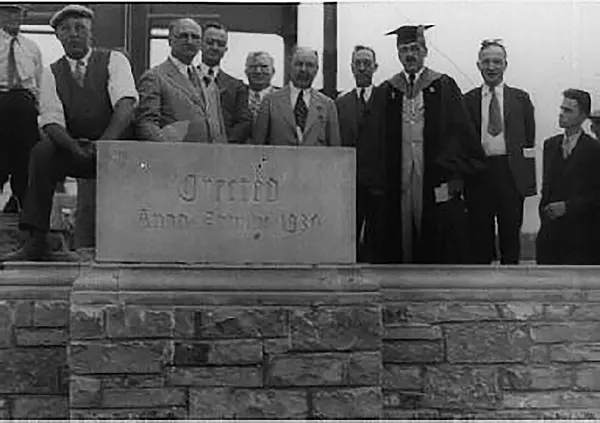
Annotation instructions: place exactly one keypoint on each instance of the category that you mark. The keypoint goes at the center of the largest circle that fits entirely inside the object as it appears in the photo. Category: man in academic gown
(428, 146)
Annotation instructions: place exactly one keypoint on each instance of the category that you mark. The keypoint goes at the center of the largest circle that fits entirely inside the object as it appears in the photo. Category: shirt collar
(204, 68)
(296, 91)
(367, 89)
(85, 59)
(179, 64)
(485, 89)
(572, 139)
(417, 75)
(262, 92)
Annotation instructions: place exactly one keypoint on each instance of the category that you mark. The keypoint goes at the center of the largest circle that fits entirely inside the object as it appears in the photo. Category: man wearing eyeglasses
(428, 147)
(229, 118)
(504, 119)
(172, 100)
(88, 95)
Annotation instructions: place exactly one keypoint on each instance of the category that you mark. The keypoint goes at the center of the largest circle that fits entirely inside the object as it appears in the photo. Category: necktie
(254, 103)
(411, 84)
(495, 119)
(566, 147)
(208, 78)
(14, 80)
(79, 74)
(193, 76)
(363, 100)
(300, 111)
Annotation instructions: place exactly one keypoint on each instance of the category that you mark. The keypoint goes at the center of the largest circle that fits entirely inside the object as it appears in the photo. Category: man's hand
(555, 210)
(83, 148)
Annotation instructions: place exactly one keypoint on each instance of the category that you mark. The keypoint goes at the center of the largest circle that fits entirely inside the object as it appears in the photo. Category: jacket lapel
(576, 154)
(286, 107)
(183, 83)
(509, 101)
(313, 111)
(222, 81)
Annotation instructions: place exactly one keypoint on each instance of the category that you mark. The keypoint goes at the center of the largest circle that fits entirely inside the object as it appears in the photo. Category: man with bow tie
(428, 147)
(298, 114)
(570, 202)
(20, 81)
(504, 119)
(172, 92)
(87, 96)
(352, 108)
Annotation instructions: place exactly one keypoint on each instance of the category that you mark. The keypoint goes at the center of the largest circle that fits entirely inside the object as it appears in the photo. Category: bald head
(184, 38)
(305, 65)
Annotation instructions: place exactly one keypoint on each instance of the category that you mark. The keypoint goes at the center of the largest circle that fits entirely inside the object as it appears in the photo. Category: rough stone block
(51, 313)
(395, 314)
(539, 354)
(41, 407)
(364, 368)
(6, 337)
(41, 337)
(184, 323)
(85, 392)
(588, 377)
(521, 311)
(241, 323)
(306, 370)
(575, 352)
(170, 413)
(215, 376)
(87, 322)
(559, 311)
(403, 399)
(429, 312)
(449, 386)
(23, 313)
(355, 403)
(487, 342)
(211, 403)
(403, 377)
(556, 399)
(191, 354)
(138, 322)
(585, 311)
(269, 404)
(32, 370)
(413, 331)
(566, 332)
(526, 378)
(277, 346)
(232, 352)
(410, 414)
(143, 398)
(133, 381)
(122, 357)
(337, 329)
(413, 352)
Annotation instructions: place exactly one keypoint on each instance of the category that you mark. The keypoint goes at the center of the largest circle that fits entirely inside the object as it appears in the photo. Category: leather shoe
(35, 248)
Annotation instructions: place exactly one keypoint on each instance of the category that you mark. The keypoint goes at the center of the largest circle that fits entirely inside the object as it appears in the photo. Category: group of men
(435, 169)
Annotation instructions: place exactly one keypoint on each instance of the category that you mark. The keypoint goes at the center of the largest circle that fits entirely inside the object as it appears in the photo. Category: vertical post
(139, 38)
(330, 49)
(289, 33)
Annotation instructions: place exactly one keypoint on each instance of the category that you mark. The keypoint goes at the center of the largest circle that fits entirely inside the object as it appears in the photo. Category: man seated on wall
(88, 95)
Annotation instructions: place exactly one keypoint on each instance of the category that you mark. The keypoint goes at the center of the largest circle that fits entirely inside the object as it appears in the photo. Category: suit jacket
(519, 133)
(276, 124)
(579, 182)
(350, 122)
(168, 96)
(234, 106)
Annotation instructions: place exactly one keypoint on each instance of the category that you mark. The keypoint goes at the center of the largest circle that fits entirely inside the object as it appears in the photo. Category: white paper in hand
(529, 153)
(176, 132)
(441, 193)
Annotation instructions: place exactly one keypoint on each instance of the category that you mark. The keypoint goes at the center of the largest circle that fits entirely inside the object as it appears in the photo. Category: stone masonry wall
(34, 321)
(211, 344)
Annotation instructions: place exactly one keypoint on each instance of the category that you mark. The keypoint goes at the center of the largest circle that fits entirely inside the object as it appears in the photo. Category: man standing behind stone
(260, 71)
(570, 200)
(352, 108)
(172, 91)
(298, 114)
(20, 80)
(229, 119)
(88, 95)
(504, 119)
(428, 148)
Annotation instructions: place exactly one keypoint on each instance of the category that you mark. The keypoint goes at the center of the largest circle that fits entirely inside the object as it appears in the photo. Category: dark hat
(71, 10)
(409, 33)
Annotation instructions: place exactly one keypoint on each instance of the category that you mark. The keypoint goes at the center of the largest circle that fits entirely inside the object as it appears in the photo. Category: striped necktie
(301, 111)
(254, 102)
(79, 74)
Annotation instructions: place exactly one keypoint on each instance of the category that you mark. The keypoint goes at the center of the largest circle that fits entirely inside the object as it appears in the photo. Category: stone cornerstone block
(198, 203)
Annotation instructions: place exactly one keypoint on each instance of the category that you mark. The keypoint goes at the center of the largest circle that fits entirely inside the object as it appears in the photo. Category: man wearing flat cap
(20, 80)
(88, 95)
(427, 148)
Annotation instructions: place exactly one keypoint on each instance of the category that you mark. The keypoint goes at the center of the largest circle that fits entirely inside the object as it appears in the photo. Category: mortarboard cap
(409, 33)
(71, 10)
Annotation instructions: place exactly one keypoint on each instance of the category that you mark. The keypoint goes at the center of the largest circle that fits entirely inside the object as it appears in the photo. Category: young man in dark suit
(504, 119)
(352, 108)
(232, 121)
(570, 189)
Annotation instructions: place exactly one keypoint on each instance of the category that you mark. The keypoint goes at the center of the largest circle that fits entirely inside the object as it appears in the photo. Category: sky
(552, 45)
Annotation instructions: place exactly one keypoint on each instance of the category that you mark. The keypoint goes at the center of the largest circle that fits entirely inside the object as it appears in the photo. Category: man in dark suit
(570, 189)
(226, 96)
(504, 119)
(352, 108)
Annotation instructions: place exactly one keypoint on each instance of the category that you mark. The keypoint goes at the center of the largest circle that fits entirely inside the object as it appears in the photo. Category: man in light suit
(570, 200)
(353, 108)
(227, 97)
(298, 114)
(503, 117)
(259, 71)
(172, 92)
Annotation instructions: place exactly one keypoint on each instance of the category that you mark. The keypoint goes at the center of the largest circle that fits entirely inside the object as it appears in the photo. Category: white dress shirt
(28, 59)
(570, 142)
(121, 84)
(262, 93)
(294, 92)
(493, 146)
(368, 91)
(204, 68)
(182, 67)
